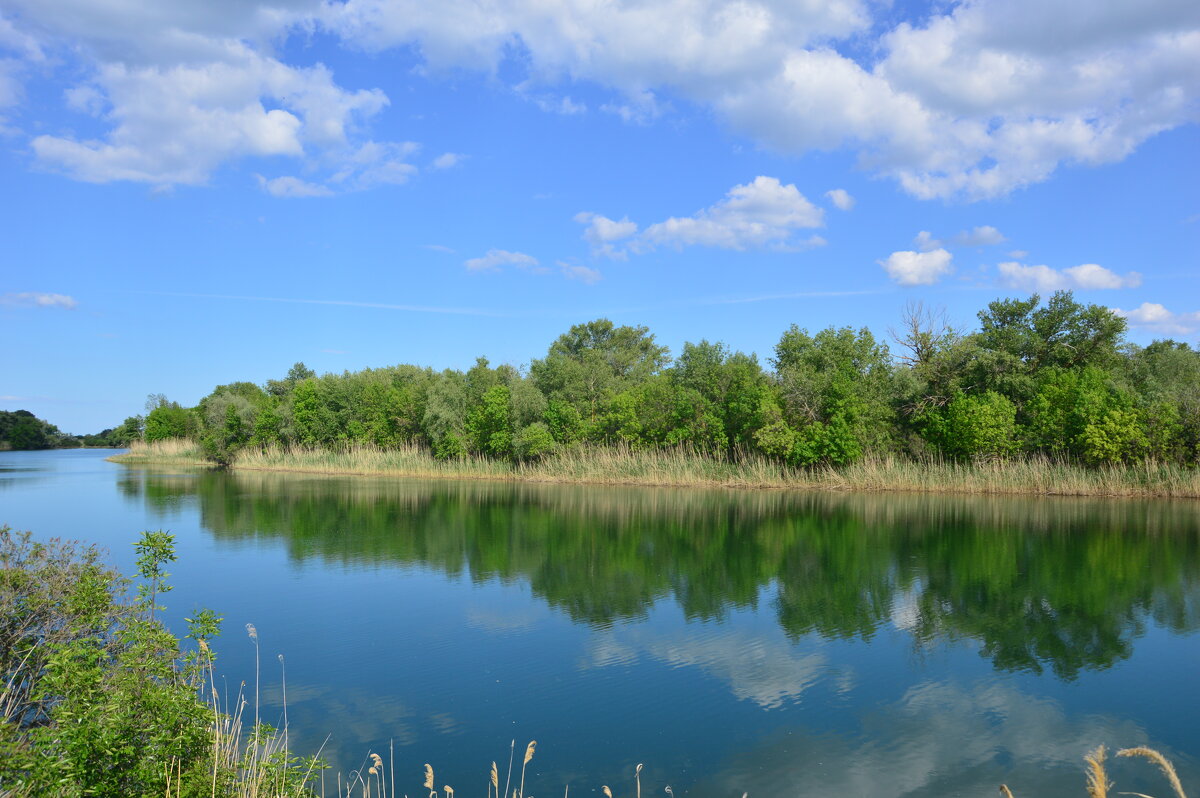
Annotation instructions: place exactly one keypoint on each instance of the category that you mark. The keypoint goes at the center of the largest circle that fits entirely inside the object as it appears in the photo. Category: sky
(202, 192)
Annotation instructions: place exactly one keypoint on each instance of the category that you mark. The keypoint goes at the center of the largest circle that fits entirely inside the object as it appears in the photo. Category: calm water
(771, 643)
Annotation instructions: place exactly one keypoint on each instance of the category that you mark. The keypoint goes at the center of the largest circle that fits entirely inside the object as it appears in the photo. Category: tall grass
(615, 465)
(170, 451)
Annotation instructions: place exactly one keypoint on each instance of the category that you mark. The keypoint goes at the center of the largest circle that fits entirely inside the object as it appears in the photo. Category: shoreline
(672, 468)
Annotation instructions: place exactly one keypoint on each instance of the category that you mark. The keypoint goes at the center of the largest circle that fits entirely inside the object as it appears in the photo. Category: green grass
(681, 468)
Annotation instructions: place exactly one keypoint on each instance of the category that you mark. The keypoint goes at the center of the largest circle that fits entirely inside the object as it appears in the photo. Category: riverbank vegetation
(98, 698)
(1042, 397)
(680, 467)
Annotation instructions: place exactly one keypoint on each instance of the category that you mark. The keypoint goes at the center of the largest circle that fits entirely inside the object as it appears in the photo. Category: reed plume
(1097, 778)
(528, 756)
(1154, 756)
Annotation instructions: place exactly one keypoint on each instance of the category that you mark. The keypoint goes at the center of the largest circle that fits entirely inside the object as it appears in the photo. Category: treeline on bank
(1055, 378)
(20, 429)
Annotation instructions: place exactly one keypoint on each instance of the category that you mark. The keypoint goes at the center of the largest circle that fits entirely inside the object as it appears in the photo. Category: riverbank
(676, 468)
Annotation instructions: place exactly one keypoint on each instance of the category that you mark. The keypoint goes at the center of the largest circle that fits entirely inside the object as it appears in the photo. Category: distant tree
(297, 373)
(169, 420)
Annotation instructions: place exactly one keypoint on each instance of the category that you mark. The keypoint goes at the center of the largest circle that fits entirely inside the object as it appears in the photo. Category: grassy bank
(679, 468)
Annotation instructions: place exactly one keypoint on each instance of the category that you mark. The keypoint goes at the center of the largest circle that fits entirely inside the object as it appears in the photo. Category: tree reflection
(1066, 585)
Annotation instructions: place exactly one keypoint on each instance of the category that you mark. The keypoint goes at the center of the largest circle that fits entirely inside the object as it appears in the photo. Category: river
(775, 643)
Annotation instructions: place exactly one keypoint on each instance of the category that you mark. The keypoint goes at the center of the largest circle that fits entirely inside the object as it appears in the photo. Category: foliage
(20, 429)
(99, 699)
(976, 425)
(1038, 379)
(169, 420)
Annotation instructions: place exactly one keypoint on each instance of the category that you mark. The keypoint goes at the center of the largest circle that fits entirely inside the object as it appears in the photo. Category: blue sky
(202, 192)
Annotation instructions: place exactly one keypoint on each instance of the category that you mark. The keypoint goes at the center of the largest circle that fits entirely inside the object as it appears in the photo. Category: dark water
(764, 642)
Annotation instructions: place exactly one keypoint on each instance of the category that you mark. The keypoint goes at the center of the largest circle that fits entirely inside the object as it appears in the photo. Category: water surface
(766, 642)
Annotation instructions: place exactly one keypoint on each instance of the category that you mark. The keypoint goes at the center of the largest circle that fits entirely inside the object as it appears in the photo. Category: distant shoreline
(673, 468)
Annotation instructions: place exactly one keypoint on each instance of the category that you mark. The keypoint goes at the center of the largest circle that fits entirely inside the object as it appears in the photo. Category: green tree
(592, 362)
(489, 424)
(1023, 337)
(169, 420)
(977, 425)
(836, 391)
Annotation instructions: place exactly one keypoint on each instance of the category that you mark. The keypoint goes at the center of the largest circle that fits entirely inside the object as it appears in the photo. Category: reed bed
(171, 451)
(683, 468)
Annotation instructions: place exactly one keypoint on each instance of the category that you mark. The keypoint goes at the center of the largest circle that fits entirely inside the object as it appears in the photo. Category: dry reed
(678, 467)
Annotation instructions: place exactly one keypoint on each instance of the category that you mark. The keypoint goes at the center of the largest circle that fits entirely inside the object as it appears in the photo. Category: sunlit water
(774, 643)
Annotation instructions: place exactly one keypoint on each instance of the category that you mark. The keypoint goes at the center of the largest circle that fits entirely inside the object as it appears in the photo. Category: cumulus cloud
(918, 268)
(764, 213)
(974, 101)
(184, 90)
(176, 123)
(1155, 317)
(38, 300)
(840, 198)
(1086, 276)
(602, 233)
(496, 258)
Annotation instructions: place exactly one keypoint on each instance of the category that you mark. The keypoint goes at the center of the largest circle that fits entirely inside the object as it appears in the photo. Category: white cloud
(573, 271)
(292, 187)
(918, 268)
(1155, 317)
(495, 258)
(1094, 276)
(760, 214)
(925, 241)
(175, 123)
(1087, 276)
(602, 232)
(39, 300)
(840, 198)
(975, 101)
(984, 236)
(448, 160)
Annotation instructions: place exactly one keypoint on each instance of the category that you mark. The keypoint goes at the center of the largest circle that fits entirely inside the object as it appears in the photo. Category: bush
(98, 698)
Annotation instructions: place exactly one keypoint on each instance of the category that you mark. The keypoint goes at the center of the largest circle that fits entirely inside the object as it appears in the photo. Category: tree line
(21, 429)
(1055, 378)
